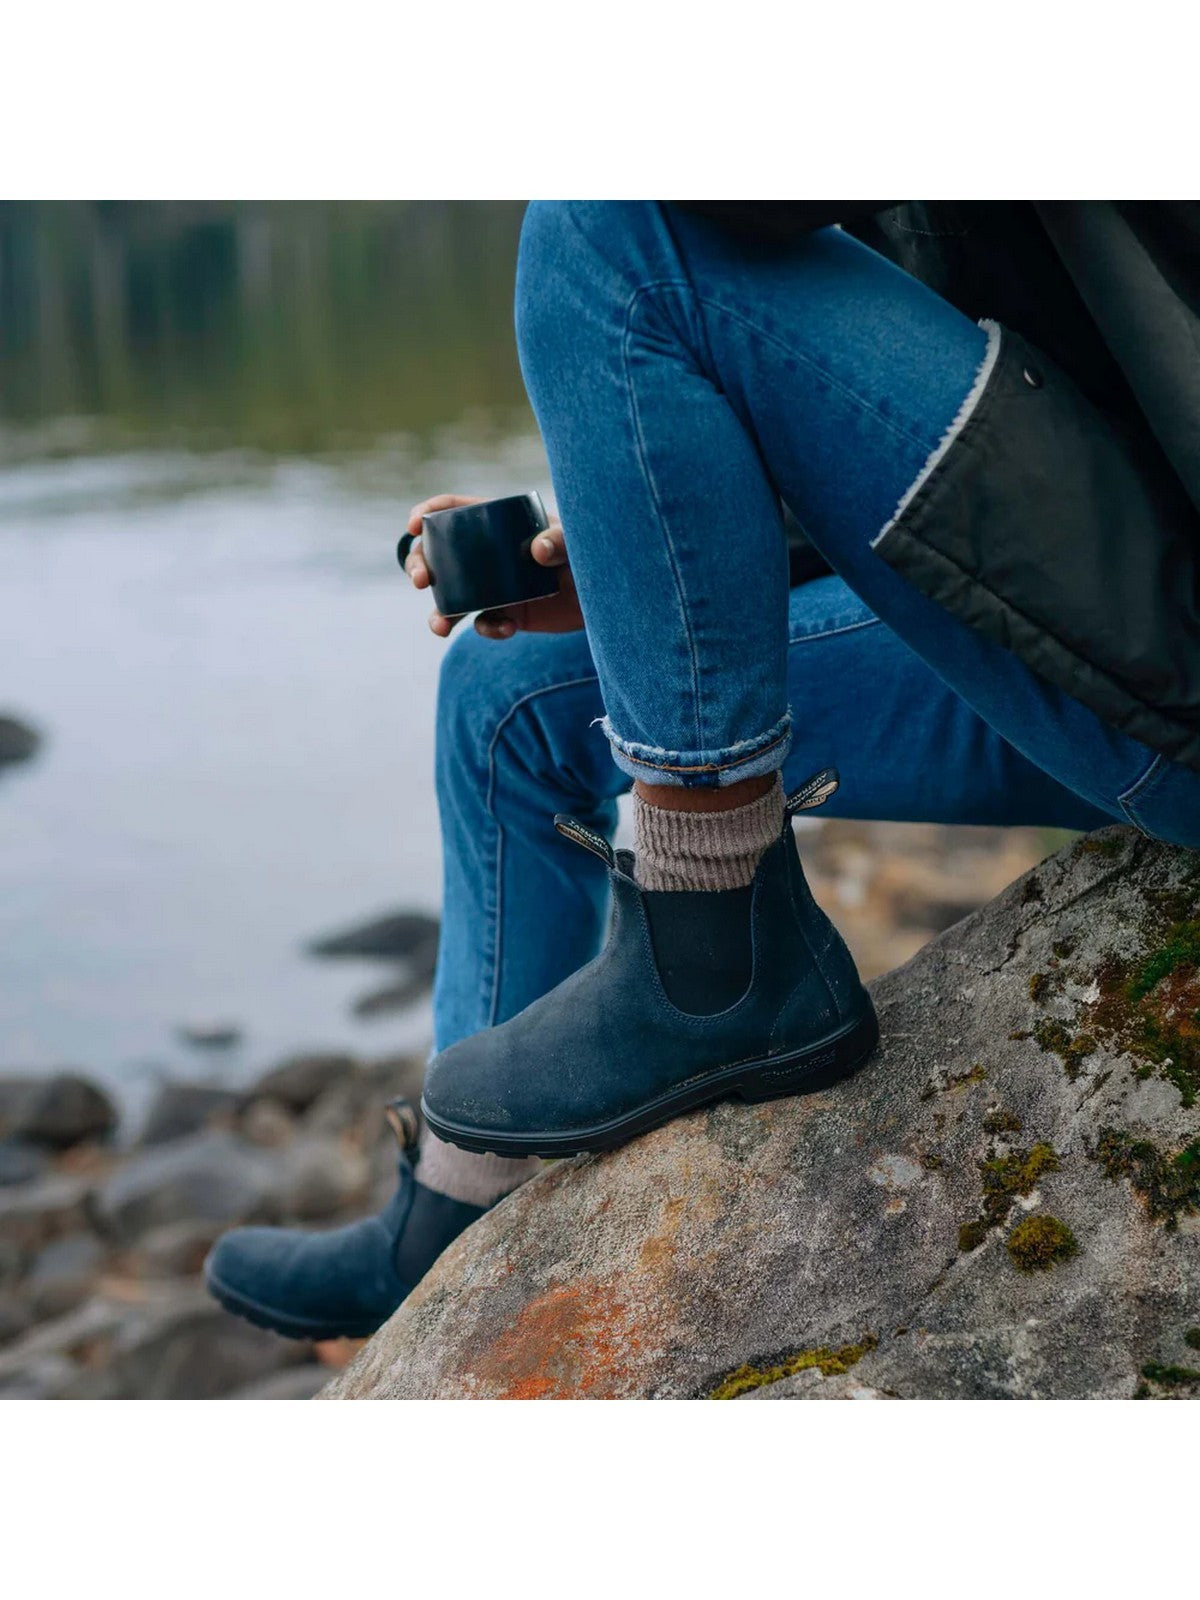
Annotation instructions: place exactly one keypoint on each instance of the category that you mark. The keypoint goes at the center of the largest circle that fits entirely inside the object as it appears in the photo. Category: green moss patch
(1168, 1183)
(1038, 1242)
(1150, 1007)
(1003, 1178)
(830, 1364)
(1192, 1338)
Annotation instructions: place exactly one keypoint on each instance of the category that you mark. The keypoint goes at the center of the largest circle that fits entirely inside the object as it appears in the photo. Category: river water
(203, 615)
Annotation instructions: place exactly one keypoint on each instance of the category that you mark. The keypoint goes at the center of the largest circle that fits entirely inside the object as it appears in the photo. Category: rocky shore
(101, 1243)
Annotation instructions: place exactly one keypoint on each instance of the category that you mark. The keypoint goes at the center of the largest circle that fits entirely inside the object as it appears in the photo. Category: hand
(559, 613)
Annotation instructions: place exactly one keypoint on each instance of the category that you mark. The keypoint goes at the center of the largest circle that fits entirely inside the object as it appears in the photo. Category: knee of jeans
(574, 257)
(496, 703)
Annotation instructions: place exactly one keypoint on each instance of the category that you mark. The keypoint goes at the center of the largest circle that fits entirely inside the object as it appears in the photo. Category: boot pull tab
(814, 793)
(405, 1122)
(571, 829)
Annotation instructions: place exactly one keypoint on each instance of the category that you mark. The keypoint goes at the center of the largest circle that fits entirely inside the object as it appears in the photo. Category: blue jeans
(683, 384)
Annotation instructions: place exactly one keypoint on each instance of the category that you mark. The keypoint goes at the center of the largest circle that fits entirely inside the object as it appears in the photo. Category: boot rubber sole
(280, 1322)
(817, 1066)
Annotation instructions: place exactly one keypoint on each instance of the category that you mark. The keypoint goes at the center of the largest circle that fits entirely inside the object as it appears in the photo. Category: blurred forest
(289, 327)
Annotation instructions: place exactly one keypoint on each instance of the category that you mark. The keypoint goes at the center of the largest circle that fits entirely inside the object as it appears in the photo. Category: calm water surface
(204, 617)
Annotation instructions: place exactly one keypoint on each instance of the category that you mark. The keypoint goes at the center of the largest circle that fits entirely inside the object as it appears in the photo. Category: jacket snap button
(1032, 377)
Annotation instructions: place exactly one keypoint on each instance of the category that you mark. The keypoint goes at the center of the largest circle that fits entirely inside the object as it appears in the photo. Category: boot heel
(815, 1068)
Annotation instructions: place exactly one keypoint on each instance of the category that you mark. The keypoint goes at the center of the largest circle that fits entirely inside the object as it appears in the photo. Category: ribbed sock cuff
(475, 1180)
(704, 849)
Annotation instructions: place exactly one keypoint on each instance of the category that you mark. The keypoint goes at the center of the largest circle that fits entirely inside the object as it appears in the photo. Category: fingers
(549, 548)
(495, 625)
(414, 565)
(437, 502)
(442, 626)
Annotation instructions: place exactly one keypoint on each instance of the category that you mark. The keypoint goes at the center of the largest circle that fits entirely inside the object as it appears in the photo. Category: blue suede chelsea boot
(345, 1283)
(654, 1027)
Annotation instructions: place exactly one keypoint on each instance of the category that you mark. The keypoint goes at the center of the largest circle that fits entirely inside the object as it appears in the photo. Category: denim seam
(643, 462)
(795, 354)
(792, 351)
(498, 918)
(832, 633)
(1129, 799)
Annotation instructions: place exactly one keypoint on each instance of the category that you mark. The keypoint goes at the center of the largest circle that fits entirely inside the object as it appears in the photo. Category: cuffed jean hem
(703, 769)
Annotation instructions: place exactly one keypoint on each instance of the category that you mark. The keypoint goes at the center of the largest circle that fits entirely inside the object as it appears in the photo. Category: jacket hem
(963, 415)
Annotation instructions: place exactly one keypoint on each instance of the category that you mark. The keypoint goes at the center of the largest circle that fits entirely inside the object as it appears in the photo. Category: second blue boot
(345, 1283)
(653, 1028)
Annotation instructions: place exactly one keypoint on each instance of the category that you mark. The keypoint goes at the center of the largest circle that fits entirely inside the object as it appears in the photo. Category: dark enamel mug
(481, 556)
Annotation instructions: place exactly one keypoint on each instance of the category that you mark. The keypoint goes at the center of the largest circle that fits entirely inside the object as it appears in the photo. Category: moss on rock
(1038, 1242)
(1004, 1177)
(1169, 1184)
(830, 1364)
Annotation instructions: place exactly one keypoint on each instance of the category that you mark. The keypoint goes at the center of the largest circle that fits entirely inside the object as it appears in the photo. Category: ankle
(705, 848)
(474, 1180)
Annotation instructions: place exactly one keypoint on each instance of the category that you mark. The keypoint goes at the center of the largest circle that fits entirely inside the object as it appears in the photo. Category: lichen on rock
(666, 1269)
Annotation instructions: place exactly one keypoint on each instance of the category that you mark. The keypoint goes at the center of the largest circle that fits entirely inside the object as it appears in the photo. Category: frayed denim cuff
(703, 769)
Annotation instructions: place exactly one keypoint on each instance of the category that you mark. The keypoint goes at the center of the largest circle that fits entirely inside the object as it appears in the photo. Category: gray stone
(814, 1247)
(175, 1249)
(58, 1111)
(16, 1316)
(183, 1108)
(169, 1342)
(321, 1177)
(21, 1162)
(298, 1081)
(47, 1377)
(204, 1355)
(36, 1212)
(18, 741)
(208, 1177)
(64, 1274)
(268, 1123)
(293, 1383)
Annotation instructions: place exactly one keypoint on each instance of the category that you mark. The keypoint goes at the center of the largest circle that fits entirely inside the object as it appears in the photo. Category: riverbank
(101, 1244)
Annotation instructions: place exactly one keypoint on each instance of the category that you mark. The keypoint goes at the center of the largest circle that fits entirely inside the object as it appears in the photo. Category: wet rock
(402, 935)
(171, 1342)
(47, 1377)
(18, 741)
(293, 1383)
(320, 1178)
(54, 1356)
(268, 1123)
(64, 1274)
(16, 1316)
(203, 1355)
(396, 1075)
(174, 1249)
(37, 1212)
(298, 1081)
(207, 1177)
(179, 1109)
(209, 1035)
(12, 1262)
(57, 1111)
(854, 1243)
(20, 1162)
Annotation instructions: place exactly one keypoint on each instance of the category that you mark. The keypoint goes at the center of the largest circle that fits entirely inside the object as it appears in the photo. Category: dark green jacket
(1064, 520)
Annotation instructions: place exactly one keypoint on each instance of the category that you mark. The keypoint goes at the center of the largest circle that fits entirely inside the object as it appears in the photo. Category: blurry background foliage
(288, 327)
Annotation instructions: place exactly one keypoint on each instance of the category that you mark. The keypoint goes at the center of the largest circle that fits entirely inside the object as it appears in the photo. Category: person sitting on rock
(1006, 631)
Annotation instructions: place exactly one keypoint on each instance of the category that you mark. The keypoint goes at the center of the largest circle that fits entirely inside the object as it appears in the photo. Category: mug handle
(407, 541)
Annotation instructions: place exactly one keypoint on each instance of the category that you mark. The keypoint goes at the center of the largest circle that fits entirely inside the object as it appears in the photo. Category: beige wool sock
(475, 1180)
(704, 849)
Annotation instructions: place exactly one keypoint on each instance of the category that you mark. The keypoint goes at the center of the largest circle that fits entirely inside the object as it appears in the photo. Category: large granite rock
(58, 1111)
(1004, 1203)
